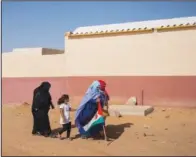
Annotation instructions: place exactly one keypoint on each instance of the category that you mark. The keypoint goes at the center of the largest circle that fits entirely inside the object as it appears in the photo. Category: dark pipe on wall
(142, 102)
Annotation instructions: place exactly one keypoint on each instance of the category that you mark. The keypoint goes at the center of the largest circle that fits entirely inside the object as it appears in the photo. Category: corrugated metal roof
(136, 25)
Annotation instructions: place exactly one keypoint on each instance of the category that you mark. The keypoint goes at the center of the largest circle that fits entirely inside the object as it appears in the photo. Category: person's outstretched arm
(51, 104)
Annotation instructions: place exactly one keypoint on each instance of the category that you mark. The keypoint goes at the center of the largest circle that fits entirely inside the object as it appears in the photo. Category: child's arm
(70, 107)
(51, 104)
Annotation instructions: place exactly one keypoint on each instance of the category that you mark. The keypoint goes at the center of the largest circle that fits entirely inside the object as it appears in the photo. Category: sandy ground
(164, 132)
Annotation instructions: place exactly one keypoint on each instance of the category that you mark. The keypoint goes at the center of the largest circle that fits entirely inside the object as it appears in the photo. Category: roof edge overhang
(133, 31)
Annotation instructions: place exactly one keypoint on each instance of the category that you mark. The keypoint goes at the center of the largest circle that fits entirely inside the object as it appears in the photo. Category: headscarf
(44, 87)
(102, 87)
(41, 96)
(94, 87)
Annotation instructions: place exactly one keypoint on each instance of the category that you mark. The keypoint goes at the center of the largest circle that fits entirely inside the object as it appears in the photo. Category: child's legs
(64, 128)
(68, 129)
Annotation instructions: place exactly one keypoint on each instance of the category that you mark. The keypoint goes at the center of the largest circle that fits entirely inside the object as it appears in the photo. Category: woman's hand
(98, 100)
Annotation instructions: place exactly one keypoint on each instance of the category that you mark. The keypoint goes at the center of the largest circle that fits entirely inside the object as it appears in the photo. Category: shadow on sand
(113, 132)
(55, 131)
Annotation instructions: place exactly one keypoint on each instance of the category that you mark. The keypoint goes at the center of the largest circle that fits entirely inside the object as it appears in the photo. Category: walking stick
(101, 110)
(104, 130)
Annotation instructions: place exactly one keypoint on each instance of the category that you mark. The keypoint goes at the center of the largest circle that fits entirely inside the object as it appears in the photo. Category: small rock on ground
(168, 116)
(146, 126)
(145, 134)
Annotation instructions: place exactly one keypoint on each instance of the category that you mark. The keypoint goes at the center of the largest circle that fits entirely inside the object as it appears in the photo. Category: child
(65, 107)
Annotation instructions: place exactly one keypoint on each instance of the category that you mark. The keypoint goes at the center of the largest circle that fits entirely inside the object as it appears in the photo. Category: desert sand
(164, 132)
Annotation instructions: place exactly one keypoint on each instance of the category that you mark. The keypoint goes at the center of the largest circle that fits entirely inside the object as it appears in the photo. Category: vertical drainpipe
(142, 92)
(142, 102)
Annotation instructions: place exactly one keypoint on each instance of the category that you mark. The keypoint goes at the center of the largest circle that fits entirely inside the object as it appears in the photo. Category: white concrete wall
(155, 54)
(28, 51)
(31, 63)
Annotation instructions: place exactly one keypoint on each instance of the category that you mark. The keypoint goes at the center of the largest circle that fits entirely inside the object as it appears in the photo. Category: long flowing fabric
(85, 119)
(40, 107)
(92, 93)
(96, 123)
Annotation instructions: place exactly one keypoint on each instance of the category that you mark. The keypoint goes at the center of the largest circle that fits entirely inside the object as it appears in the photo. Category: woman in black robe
(40, 108)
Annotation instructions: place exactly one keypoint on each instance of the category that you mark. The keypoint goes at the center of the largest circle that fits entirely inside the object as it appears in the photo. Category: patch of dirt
(171, 132)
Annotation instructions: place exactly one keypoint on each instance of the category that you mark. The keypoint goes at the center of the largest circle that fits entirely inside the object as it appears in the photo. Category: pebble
(148, 134)
(19, 114)
(168, 116)
(175, 144)
(117, 114)
(154, 140)
(26, 104)
(146, 126)
(136, 133)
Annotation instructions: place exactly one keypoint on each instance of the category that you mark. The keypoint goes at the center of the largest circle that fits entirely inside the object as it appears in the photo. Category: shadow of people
(54, 132)
(115, 131)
